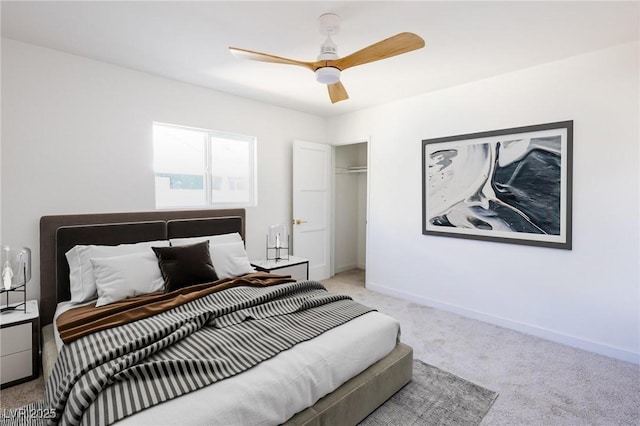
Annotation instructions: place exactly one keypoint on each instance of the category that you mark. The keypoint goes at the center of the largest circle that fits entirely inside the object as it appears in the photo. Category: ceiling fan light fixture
(329, 66)
(327, 75)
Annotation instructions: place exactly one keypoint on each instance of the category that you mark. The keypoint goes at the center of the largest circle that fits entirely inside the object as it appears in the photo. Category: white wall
(348, 210)
(362, 206)
(587, 297)
(77, 138)
(1, 139)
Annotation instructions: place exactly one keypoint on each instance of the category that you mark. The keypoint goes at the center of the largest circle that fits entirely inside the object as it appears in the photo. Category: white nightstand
(19, 345)
(297, 267)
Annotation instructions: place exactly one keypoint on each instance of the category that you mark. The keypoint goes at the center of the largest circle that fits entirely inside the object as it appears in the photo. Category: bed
(348, 399)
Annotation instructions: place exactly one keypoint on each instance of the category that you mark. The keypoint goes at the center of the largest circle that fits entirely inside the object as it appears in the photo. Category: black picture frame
(510, 185)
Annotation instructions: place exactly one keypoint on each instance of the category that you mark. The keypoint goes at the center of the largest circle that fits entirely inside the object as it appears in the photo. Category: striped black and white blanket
(108, 375)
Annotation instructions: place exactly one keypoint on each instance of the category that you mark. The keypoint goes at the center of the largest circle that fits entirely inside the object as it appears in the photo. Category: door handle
(299, 221)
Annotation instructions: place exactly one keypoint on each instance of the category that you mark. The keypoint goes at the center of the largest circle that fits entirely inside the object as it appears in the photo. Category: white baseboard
(554, 336)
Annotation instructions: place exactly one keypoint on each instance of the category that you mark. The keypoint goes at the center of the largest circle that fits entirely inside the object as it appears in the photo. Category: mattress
(273, 391)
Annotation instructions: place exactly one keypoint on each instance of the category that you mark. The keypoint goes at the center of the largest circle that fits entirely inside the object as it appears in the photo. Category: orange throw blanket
(83, 320)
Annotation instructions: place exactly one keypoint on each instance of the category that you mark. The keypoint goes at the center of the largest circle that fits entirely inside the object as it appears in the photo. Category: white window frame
(210, 134)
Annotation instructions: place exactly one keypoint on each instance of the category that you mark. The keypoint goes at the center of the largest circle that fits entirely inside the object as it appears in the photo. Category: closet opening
(350, 210)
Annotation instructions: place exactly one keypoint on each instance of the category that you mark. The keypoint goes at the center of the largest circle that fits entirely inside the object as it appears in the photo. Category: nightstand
(20, 345)
(297, 267)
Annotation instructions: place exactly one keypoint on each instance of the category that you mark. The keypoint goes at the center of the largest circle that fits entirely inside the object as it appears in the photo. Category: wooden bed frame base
(360, 396)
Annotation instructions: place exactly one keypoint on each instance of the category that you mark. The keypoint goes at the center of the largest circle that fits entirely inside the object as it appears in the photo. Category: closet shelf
(357, 169)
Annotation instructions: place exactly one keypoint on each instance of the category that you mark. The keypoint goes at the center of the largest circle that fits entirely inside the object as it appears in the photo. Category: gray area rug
(34, 414)
(434, 397)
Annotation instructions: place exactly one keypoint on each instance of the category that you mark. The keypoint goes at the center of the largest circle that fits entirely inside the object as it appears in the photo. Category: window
(196, 167)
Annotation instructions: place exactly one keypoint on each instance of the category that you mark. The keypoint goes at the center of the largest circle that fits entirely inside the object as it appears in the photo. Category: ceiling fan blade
(265, 57)
(392, 46)
(337, 92)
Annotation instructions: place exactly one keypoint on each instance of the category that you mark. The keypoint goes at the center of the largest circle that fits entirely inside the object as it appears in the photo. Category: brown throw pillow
(182, 266)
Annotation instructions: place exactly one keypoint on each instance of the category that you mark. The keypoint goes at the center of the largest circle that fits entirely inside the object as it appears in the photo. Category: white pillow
(213, 239)
(230, 259)
(129, 275)
(82, 282)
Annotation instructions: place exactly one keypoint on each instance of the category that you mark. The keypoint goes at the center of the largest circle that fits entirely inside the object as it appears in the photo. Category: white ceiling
(188, 41)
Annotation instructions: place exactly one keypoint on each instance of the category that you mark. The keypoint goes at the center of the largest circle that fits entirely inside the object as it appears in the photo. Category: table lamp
(278, 240)
(16, 272)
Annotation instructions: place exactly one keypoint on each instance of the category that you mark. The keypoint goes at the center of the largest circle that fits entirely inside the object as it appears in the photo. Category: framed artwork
(509, 185)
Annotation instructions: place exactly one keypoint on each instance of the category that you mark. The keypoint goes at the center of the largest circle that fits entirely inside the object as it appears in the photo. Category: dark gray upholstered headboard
(60, 233)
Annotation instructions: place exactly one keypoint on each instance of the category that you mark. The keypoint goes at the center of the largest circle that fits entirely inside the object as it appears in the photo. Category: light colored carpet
(539, 382)
(20, 395)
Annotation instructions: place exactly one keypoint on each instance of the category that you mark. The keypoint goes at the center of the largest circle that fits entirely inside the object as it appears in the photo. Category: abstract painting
(510, 185)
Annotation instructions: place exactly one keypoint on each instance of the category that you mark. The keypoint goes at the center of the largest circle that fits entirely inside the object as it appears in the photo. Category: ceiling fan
(329, 66)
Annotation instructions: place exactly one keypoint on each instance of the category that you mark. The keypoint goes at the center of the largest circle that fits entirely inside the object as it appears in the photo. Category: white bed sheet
(276, 389)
